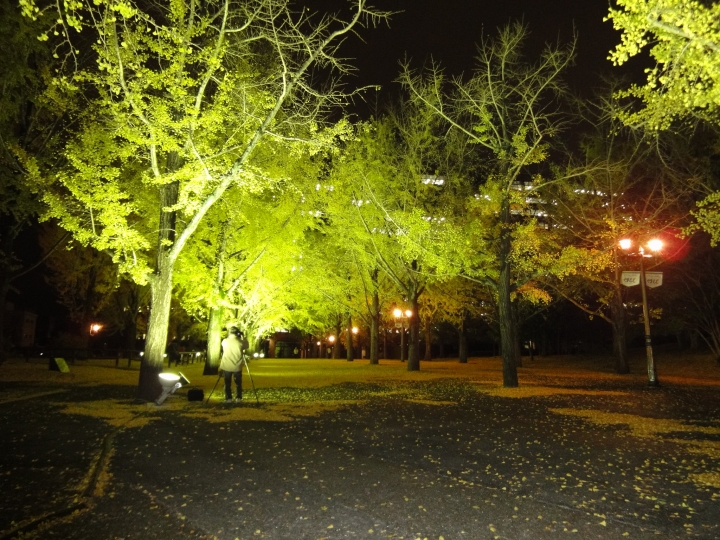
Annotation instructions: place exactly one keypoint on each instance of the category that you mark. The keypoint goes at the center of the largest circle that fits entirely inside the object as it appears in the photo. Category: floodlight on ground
(170, 382)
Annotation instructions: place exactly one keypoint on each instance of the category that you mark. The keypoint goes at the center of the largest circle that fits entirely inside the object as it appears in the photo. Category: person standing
(233, 348)
(173, 352)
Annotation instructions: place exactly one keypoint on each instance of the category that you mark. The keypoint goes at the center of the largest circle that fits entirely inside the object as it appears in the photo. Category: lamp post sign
(652, 279)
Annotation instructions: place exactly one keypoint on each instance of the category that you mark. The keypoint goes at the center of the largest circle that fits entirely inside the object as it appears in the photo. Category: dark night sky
(448, 31)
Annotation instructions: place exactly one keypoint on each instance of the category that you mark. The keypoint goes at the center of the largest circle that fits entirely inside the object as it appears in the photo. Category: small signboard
(632, 278)
(653, 279)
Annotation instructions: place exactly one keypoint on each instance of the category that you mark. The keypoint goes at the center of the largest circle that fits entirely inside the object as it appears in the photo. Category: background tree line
(197, 159)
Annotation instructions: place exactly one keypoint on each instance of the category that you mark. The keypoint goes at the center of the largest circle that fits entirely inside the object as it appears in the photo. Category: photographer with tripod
(231, 363)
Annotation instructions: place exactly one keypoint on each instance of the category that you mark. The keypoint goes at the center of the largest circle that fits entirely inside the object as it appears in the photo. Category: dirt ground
(339, 449)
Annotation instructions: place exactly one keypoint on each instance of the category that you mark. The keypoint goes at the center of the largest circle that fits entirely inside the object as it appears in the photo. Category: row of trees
(191, 145)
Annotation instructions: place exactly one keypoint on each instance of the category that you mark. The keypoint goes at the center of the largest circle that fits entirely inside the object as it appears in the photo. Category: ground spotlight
(170, 382)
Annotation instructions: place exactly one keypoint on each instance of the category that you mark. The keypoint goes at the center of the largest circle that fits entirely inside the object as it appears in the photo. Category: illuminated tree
(625, 187)
(508, 110)
(179, 104)
(397, 216)
(683, 37)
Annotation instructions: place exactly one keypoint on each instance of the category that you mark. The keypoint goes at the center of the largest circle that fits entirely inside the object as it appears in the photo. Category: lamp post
(653, 245)
(400, 322)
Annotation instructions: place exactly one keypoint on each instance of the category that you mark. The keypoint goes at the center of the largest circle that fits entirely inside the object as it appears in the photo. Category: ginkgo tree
(177, 103)
(508, 110)
(396, 214)
(239, 266)
(626, 188)
(683, 37)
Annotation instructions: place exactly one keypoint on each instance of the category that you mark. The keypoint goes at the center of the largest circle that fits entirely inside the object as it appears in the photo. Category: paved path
(457, 463)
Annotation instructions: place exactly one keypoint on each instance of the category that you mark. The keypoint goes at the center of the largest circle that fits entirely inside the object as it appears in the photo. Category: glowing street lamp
(95, 328)
(400, 318)
(654, 245)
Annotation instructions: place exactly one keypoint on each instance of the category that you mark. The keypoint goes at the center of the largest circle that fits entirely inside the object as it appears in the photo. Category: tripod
(247, 368)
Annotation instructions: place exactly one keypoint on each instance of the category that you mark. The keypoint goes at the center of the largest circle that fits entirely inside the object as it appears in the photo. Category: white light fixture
(170, 382)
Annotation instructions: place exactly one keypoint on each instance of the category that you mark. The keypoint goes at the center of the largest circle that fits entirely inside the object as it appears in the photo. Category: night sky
(449, 30)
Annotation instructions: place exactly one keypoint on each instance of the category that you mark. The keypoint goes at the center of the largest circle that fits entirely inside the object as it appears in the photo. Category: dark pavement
(456, 463)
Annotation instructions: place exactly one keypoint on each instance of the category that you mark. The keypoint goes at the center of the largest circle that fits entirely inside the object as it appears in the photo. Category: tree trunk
(508, 328)
(518, 344)
(414, 338)
(336, 345)
(349, 340)
(215, 320)
(428, 340)
(385, 346)
(374, 329)
(462, 342)
(130, 323)
(161, 285)
(4, 343)
(214, 339)
(617, 311)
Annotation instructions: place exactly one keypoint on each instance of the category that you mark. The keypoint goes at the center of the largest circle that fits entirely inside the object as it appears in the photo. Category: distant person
(173, 352)
(233, 348)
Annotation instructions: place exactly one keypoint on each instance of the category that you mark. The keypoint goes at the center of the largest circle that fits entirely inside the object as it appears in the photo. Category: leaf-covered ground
(348, 450)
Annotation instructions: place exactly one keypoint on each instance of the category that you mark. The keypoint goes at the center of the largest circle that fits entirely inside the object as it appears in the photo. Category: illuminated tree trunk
(375, 326)
(463, 342)
(349, 340)
(338, 333)
(508, 326)
(428, 340)
(161, 285)
(414, 340)
(215, 319)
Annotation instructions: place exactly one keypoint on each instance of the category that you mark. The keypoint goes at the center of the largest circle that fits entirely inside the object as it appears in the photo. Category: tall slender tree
(509, 110)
